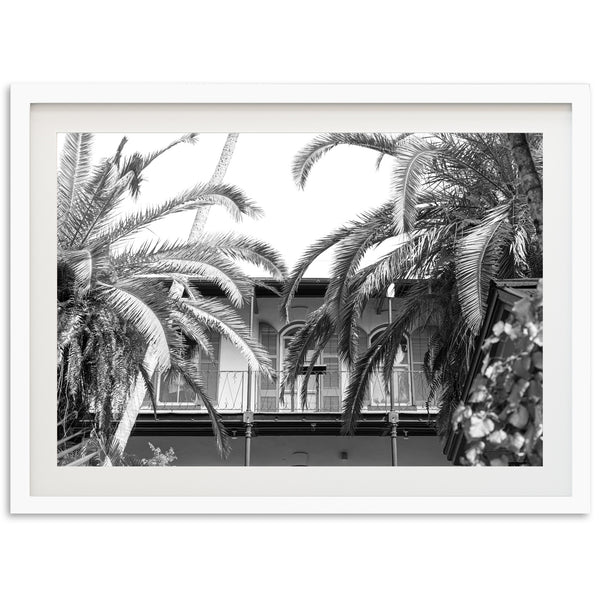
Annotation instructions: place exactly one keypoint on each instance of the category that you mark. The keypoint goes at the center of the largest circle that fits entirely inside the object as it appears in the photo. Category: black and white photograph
(359, 299)
(247, 237)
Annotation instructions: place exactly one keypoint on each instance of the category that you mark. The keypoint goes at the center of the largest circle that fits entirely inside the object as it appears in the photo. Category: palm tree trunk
(217, 177)
(530, 181)
(136, 399)
(132, 406)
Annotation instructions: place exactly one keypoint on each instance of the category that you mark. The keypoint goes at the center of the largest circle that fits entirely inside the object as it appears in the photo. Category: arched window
(291, 400)
(329, 396)
(408, 385)
(399, 384)
(363, 341)
(323, 385)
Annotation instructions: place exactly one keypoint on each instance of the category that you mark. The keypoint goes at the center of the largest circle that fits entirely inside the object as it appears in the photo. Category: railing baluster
(236, 390)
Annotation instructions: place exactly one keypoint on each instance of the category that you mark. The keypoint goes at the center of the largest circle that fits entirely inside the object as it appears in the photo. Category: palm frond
(73, 170)
(310, 154)
(308, 257)
(143, 318)
(136, 162)
(369, 230)
(118, 227)
(246, 248)
(412, 164)
(79, 264)
(188, 371)
(319, 326)
(477, 262)
(313, 336)
(104, 204)
(445, 164)
(98, 192)
(416, 310)
(235, 285)
(217, 316)
(374, 222)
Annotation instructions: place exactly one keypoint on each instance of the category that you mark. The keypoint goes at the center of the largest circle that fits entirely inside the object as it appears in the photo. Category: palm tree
(117, 320)
(459, 215)
(136, 399)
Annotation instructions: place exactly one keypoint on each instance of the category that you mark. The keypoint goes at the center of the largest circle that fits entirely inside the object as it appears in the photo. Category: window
(379, 397)
(409, 386)
(209, 367)
(291, 400)
(329, 382)
(419, 341)
(323, 389)
(174, 391)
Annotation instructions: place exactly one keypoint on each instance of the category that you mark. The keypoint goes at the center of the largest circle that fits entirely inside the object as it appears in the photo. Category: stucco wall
(232, 365)
(279, 450)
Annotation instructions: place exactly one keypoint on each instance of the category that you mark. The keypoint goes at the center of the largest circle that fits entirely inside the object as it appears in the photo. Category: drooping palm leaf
(309, 256)
(79, 263)
(477, 262)
(136, 163)
(188, 371)
(96, 194)
(117, 227)
(143, 318)
(310, 154)
(235, 285)
(217, 316)
(313, 336)
(73, 170)
(411, 166)
(368, 222)
(444, 188)
(369, 230)
(244, 247)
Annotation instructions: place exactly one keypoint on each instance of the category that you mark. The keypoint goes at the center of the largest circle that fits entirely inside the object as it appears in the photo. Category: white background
(298, 557)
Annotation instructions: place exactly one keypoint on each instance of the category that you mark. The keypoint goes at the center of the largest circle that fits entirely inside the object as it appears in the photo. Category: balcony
(229, 389)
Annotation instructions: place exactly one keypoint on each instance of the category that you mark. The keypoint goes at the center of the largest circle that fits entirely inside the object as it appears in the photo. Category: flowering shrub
(158, 458)
(99, 452)
(502, 419)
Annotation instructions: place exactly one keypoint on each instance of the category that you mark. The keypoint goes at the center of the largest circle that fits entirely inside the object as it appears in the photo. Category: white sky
(341, 185)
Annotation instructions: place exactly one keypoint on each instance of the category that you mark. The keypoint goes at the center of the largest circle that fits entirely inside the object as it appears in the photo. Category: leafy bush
(103, 453)
(502, 419)
(159, 459)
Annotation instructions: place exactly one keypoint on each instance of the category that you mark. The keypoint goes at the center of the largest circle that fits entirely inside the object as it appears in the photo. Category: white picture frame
(109, 102)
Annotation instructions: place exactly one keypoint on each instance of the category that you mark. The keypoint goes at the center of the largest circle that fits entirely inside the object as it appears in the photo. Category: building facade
(270, 429)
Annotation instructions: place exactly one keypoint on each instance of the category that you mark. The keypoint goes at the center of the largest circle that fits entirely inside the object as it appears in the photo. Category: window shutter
(419, 344)
(209, 367)
(267, 392)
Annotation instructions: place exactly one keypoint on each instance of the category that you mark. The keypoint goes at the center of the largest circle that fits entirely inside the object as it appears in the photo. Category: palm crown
(118, 318)
(458, 216)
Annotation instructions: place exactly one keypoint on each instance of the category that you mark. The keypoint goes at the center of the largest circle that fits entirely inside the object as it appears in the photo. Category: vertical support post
(394, 438)
(248, 414)
(249, 420)
(411, 373)
(391, 381)
(250, 374)
(393, 418)
(248, 445)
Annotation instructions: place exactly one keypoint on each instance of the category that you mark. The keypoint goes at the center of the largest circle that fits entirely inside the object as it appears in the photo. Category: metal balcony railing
(229, 391)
